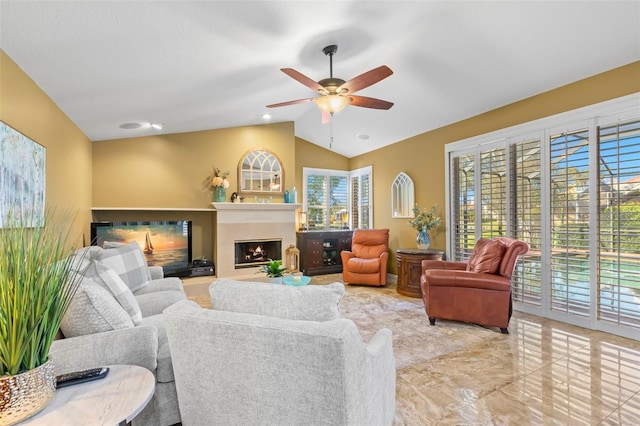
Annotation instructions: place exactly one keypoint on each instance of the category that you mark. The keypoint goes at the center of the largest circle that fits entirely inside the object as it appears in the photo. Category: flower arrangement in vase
(423, 221)
(217, 182)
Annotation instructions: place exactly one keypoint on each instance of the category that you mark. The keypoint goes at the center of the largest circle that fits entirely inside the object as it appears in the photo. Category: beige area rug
(373, 308)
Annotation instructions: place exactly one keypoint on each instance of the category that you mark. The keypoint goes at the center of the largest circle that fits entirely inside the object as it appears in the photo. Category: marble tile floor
(543, 373)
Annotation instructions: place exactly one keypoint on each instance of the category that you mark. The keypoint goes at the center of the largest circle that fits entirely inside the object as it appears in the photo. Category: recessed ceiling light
(156, 126)
(362, 136)
(130, 126)
(266, 116)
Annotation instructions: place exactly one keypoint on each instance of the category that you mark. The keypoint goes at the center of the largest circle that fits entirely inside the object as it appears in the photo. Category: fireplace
(250, 253)
(243, 222)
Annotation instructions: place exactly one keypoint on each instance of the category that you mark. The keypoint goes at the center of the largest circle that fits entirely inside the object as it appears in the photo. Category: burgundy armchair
(366, 263)
(477, 291)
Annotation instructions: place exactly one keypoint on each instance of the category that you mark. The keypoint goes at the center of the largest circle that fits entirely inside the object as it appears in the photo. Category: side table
(114, 400)
(410, 269)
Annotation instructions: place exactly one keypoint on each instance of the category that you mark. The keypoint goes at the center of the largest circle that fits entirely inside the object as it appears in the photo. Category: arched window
(402, 196)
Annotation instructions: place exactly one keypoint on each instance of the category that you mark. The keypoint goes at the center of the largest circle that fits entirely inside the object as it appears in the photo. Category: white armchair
(241, 368)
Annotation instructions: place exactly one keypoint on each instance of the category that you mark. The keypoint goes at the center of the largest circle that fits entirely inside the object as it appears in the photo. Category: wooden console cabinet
(410, 269)
(320, 251)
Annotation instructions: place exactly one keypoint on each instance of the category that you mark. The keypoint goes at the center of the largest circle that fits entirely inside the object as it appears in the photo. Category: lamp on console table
(302, 220)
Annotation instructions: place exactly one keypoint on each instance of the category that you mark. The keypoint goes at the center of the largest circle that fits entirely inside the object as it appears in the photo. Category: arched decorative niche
(402, 196)
(260, 172)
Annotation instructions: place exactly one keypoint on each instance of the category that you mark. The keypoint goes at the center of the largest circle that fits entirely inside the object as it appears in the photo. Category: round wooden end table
(410, 269)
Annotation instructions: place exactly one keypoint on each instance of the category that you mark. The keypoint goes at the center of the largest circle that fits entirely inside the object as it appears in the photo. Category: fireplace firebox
(251, 253)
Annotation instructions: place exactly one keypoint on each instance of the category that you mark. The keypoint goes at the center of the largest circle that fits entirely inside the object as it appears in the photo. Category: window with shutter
(572, 192)
(493, 193)
(569, 222)
(619, 224)
(331, 196)
(526, 218)
(463, 206)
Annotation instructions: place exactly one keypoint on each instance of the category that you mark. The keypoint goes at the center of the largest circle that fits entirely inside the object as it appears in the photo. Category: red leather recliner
(366, 263)
(477, 291)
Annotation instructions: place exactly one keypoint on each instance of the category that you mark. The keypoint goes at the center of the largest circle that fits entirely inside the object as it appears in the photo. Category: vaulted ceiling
(197, 65)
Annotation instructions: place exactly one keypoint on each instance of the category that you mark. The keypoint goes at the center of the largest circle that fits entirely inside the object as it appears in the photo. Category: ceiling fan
(337, 93)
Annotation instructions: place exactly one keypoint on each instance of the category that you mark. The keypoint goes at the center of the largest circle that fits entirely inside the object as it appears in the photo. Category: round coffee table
(114, 400)
(410, 269)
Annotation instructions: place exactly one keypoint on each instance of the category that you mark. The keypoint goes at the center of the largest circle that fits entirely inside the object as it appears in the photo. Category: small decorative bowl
(297, 280)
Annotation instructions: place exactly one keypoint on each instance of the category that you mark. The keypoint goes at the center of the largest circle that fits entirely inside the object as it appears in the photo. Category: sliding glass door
(574, 196)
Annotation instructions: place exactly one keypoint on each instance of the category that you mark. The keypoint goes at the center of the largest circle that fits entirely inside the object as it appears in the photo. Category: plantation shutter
(338, 201)
(316, 200)
(526, 219)
(569, 225)
(619, 224)
(493, 193)
(361, 208)
(462, 206)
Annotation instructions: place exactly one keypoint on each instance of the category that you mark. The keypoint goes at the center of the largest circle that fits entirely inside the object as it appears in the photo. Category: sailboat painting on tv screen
(164, 243)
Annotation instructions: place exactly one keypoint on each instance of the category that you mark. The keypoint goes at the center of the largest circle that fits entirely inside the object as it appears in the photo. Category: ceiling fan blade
(365, 102)
(301, 78)
(365, 80)
(297, 101)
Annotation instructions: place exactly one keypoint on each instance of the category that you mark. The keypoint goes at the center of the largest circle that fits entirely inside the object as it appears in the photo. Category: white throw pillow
(110, 280)
(129, 263)
(309, 303)
(93, 310)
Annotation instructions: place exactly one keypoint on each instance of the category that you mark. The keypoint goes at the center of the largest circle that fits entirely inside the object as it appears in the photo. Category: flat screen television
(164, 243)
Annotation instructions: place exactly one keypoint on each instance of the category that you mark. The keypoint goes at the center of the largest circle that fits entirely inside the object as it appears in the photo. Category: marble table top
(116, 399)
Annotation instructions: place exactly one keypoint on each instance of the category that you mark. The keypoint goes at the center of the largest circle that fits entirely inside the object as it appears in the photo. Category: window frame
(361, 173)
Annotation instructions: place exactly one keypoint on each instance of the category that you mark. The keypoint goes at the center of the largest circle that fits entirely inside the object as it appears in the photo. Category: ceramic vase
(25, 394)
(422, 239)
(219, 194)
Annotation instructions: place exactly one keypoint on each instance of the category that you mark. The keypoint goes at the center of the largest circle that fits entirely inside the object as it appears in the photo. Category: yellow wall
(26, 108)
(422, 157)
(167, 170)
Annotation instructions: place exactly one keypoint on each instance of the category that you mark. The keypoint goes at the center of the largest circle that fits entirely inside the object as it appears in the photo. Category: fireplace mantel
(255, 206)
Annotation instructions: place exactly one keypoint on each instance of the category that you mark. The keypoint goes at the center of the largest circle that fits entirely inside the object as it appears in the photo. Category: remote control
(81, 376)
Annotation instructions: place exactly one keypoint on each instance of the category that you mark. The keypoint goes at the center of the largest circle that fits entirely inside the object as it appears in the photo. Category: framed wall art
(22, 177)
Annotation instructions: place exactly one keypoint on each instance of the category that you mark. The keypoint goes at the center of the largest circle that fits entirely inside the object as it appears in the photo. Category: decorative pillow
(93, 310)
(111, 281)
(129, 263)
(310, 303)
(486, 256)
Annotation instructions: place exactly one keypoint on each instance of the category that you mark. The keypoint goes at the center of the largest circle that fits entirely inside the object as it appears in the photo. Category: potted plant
(37, 283)
(422, 222)
(274, 270)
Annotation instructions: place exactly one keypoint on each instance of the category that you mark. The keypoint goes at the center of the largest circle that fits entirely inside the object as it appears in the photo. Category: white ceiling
(197, 65)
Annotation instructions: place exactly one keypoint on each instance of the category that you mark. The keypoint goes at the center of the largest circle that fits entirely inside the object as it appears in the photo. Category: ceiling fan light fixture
(332, 103)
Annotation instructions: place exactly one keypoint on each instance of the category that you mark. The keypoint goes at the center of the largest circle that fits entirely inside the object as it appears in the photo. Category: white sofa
(103, 331)
(268, 354)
